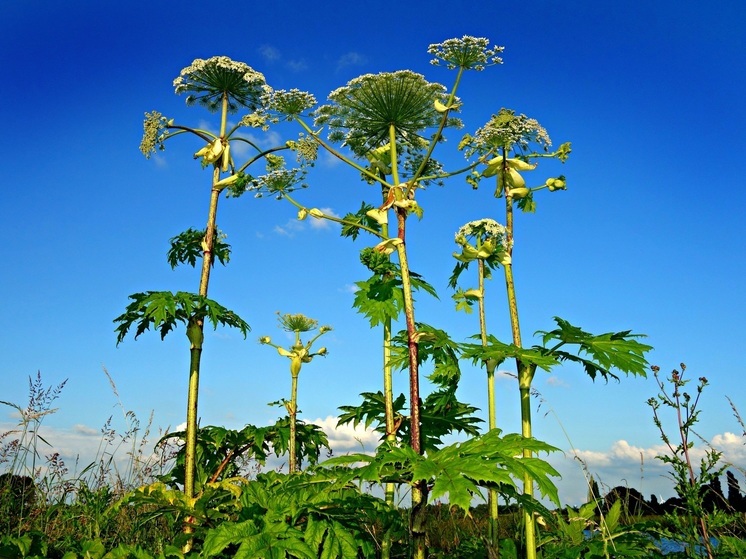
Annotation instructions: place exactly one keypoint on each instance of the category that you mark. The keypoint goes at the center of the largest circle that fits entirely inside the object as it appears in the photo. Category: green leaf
(352, 221)
(163, 310)
(613, 350)
(379, 299)
(499, 351)
(186, 248)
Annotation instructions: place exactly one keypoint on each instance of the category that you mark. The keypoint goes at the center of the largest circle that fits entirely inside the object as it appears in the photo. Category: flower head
(288, 103)
(296, 322)
(508, 130)
(207, 81)
(154, 128)
(467, 53)
(361, 113)
(483, 239)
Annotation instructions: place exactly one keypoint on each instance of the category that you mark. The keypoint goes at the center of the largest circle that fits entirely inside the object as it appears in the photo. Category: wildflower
(296, 322)
(288, 103)
(154, 128)
(208, 81)
(277, 182)
(469, 53)
(306, 149)
(362, 113)
(483, 239)
(507, 130)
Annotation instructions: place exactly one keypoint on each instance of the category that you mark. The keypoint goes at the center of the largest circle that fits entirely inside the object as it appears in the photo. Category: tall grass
(39, 494)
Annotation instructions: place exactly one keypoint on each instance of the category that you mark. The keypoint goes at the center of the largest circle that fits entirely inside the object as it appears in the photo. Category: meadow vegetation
(206, 491)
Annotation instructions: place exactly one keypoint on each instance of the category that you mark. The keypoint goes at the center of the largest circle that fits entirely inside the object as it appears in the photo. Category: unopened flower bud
(265, 340)
(302, 214)
(315, 212)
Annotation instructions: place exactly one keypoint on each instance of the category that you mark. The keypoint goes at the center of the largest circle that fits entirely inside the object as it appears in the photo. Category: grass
(55, 511)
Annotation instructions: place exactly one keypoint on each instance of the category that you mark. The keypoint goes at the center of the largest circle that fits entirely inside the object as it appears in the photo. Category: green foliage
(371, 411)
(220, 453)
(499, 351)
(163, 309)
(352, 222)
(695, 524)
(458, 470)
(187, 246)
(303, 516)
(433, 345)
(381, 296)
(579, 535)
(310, 440)
(613, 350)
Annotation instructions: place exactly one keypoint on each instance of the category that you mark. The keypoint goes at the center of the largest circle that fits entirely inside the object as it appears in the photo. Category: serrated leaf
(612, 350)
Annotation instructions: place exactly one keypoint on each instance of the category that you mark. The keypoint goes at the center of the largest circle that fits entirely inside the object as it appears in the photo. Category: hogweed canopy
(289, 104)
(361, 113)
(506, 130)
(206, 81)
(469, 53)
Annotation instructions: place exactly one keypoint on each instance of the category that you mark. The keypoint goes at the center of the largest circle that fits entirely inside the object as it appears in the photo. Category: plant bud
(517, 193)
(315, 212)
(381, 216)
(302, 214)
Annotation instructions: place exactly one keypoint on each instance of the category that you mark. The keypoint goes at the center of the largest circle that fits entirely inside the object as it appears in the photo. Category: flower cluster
(257, 119)
(508, 130)
(296, 322)
(288, 103)
(154, 128)
(208, 81)
(277, 182)
(361, 113)
(306, 149)
(469, 53)
(482, 230)
(483, 239)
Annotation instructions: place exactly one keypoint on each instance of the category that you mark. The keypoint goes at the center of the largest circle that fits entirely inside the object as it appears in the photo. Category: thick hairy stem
(191, 427)
(491, 412)
(292, 412)
(418, 513)
(525, 372)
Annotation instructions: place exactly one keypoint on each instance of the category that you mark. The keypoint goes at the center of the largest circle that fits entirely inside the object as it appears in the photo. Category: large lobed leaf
(163, 310)
(612, 350)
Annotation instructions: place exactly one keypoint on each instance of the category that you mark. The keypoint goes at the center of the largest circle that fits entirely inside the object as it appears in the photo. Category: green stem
(525, 372)
(490, 365)
(388, 399)
(436, 137)
(292, 412)
(190, 450)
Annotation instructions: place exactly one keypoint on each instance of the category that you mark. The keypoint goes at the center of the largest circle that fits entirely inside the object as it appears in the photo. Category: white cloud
(297, 65)
(346, 438)
(554, 380)
(351, 58)
(269, 53)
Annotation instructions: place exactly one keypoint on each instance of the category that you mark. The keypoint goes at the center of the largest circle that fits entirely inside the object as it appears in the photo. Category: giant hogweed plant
(299, 354)
(506, 147)
(388, 126)
(484, 242)
(222, 86)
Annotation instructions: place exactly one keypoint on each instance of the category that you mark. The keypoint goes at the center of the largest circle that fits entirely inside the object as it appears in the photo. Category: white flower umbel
(469, 53)
(206, 81)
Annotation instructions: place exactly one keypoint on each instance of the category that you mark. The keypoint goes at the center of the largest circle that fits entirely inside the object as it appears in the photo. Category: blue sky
(649, 235)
